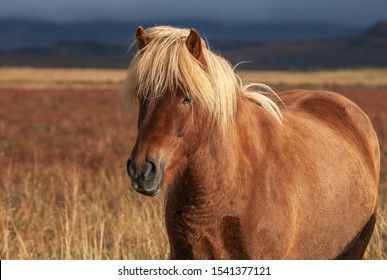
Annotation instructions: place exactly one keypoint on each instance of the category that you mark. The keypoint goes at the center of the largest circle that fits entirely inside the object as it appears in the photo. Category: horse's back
(340, 115)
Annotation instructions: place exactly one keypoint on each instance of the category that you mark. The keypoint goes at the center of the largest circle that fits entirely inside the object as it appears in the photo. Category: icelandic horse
(248, 174)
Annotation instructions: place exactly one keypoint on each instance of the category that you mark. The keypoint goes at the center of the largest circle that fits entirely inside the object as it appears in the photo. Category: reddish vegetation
(86, 125)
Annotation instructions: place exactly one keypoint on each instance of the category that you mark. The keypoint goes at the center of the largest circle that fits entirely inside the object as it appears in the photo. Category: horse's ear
(142, 39)
(194, 44)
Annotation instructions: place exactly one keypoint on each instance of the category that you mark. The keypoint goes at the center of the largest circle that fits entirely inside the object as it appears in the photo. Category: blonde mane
(166, 64)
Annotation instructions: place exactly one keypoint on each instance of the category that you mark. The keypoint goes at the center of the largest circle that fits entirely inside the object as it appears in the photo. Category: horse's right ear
(142, 39)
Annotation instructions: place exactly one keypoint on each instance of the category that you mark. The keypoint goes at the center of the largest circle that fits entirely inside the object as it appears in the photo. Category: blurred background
(65, 137)
(272, 34)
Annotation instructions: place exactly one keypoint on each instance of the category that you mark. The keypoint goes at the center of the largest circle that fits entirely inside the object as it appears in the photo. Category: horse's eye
(186, 101)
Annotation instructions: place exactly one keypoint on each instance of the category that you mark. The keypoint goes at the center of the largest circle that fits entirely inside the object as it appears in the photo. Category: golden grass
(40, 78)
(64, 189)
(322, 78)
(65, 212)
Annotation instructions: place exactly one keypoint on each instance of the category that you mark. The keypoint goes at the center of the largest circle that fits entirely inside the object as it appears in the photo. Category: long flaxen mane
(165, 64)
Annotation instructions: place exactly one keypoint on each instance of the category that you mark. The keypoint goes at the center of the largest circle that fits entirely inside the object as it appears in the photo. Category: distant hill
(22, 33)
(368, 48)
(68, 54)
(377, 30)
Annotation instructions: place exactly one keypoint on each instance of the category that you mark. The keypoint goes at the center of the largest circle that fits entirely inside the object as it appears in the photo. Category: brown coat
(248, 181)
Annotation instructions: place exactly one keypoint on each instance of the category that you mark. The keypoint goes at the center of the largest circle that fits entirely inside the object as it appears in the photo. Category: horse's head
(184, 91)
(167, 132)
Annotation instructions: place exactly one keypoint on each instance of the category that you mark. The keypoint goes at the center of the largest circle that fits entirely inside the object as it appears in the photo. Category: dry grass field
(64, 142)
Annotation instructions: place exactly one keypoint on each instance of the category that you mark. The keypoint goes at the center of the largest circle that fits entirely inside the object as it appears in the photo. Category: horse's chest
(218, 240)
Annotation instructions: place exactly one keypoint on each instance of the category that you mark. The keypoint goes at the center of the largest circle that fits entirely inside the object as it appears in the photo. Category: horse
(248, 173)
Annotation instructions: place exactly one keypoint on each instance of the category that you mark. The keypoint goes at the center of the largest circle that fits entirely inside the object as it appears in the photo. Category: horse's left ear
(142, 39)
(194, 44)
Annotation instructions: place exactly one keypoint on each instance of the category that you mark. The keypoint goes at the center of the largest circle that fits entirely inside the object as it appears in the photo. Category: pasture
(64, 142)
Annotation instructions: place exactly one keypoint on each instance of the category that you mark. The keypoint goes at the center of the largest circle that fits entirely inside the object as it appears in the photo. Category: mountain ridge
(366, 49)
(22, 33)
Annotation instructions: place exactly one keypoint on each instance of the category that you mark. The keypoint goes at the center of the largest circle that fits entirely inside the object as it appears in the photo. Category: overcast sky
(353, 12)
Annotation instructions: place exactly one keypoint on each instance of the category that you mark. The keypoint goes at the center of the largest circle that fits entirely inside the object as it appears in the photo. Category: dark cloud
(354, 12)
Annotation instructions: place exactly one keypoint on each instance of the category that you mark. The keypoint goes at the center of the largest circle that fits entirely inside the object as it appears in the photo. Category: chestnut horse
(247, 175)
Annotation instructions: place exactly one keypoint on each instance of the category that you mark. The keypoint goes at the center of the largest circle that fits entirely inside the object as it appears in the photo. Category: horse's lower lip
(152, 192)
(147, 191)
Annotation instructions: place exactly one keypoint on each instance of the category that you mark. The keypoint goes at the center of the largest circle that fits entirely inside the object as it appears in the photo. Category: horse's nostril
(130, 168)
(151, 168)
(141, 171)
(152, 161)
(148, 170)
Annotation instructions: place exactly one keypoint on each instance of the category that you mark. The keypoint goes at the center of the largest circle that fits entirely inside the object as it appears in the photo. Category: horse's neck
(213, 176)
(203, 186)
(202, 190)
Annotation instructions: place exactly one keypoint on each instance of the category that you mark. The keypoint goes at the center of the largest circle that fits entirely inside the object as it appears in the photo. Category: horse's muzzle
(146, 178)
